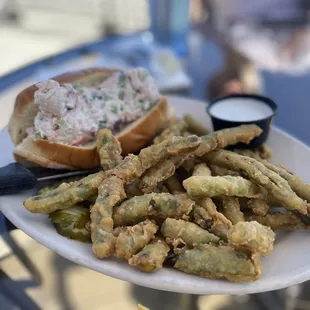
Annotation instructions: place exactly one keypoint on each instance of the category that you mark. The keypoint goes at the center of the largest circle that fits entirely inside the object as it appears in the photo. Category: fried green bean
(201, 217)
(159, 173)
(220, 262)
(220, 224)
(134, 238)
(225, 137)
(277, 221)
(260, 153)
(222, 171)
(176, 127)
(190, 233)
(133, 189)
(194, 126)
(217, 186)
(66, 195)
(189, 163)
(251, 236)
(258, 206)
(231, 209)
(137, 209)
(174, 185)
(260, 174)
(301, 188)
(222, 138)
(201, 170)
(205, 214)
(56, 184)
(109, 149)
(111, 192)
(133, 166)
(152, 256)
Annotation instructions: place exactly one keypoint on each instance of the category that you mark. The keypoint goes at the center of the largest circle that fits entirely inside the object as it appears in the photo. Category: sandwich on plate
(55, 122)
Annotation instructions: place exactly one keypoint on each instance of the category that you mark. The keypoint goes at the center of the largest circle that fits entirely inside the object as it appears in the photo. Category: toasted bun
(61, 156)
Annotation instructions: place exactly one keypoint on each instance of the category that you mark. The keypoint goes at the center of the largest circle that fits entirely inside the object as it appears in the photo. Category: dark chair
(14, 291)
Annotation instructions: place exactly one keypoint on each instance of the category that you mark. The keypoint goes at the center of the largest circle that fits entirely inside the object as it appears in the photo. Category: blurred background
(202, 49)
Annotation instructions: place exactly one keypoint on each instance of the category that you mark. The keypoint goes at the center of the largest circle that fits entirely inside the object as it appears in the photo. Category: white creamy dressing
(240, 109)
(73, 114)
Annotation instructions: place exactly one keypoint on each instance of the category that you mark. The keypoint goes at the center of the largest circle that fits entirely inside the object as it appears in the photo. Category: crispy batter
(201, 170)
(159, 173)
(133, 166)
(133, 189)
(260, 174)
(134, 238)
(152, 256)
(176, 127)
(251, 236)
(226, 137)
(262, 152)
(194, 126)
(174, 185)
(220, 224)
(258, 206)
(190, 233)
(217, 186)
(66, 195)
(220, 262)
(189, 163)
(201, 217)
(222, 171)
(277, 221)
(111, 192)
(109, 149)
(301, 188)
(231, 209)
(151, 205)
(205, 213)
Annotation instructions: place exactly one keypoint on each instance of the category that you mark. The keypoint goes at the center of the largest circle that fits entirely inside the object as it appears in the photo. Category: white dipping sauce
(240, 109)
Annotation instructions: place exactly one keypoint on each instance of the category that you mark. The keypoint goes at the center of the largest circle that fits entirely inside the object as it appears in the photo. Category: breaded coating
(220, 224)
(134, 238)
(260, 174)
(260, 153)
(222, 171)
(133, 166)
(201, 170)
(174, 185)
(258, 206)
(176, 127)
(218, 186)
(277, 221)
(194, 126)
(159, 173)
(66, 195)
(152, 205)
(109, 149)
(225, 137)
(152, 256)
(111, 192)
(190, 233)
(220, 262)
(251, 236)
(133, 189)
(231, 209)
(301, 188)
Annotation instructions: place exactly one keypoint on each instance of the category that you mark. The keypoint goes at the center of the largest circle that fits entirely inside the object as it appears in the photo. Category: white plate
(288, 264)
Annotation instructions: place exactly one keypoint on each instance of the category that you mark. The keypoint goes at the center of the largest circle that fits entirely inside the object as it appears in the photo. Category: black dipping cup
(264, 123)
